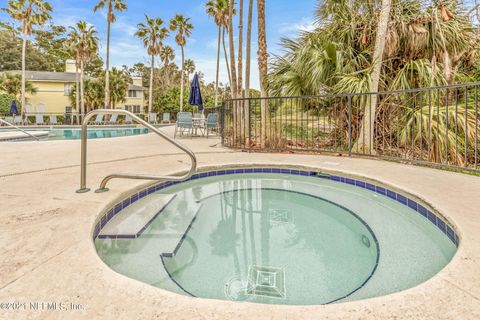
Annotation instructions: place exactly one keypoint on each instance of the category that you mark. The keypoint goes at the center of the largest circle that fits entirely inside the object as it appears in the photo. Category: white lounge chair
(98, 119)
(53, 120)
(39, 119)
(113, 119)
(128, 120)
(152, 117)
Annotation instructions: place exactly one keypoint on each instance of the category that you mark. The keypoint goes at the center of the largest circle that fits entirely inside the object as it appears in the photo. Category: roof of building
(60, 77)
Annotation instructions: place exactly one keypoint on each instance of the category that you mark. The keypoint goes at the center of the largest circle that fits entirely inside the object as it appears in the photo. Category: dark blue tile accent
(118, 208)
(134, 198)
(360, 184)
(294, 172)
(221, 172)
(285, 171)
(335, 178)
(450, 234)
(230, 171)
(142, 194)
(204, 174)
(266, 170)
(110, 214)
(380, 190)
(412, 204)
(276, 170)
(350, 181)
(392, 194)
(103, 221)
(304, 173)
(441, 225)
(432, 217)
(401, 199)
(370, 187)
(151, 190)
(194, 177)
(126, 202)
(423, 211)
(249, 170)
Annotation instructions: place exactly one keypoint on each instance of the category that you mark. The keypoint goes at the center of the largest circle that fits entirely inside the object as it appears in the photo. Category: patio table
(198, 123)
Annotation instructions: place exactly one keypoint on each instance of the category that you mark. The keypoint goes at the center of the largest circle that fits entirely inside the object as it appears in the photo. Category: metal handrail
(19, 129)
(103, 188)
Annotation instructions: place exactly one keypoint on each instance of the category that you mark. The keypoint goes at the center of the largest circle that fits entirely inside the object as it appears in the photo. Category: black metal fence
(434, 125)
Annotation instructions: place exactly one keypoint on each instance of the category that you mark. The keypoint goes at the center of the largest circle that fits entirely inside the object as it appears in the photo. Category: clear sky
(284, 18)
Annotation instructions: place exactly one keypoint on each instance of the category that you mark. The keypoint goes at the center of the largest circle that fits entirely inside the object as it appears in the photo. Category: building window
(134, 93)
(134, 109)
(67, 89)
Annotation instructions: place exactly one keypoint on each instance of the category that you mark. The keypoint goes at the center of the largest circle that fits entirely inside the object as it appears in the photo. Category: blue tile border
(441, 224)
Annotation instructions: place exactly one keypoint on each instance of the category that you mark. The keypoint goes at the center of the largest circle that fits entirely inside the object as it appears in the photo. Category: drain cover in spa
(266, 281)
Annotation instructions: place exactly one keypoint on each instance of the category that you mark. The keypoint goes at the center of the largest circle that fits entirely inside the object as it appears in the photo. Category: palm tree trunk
(367, 131)
(247, 67)
(262, 68)
(77, 87)
(232, 49)
(226, 58)
(107, 60)
(181, 84)
(82, 100)
(150, 89)
(24, 53)
(240, 51)
(218, 65)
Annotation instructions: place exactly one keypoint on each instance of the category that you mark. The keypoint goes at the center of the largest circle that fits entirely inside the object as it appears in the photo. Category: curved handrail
(19, 129)
(103, 188)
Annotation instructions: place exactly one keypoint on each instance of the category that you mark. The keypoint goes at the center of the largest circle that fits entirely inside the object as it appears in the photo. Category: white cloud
(306, 24)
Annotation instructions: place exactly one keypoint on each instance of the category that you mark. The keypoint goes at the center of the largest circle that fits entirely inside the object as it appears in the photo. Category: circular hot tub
(275, 236)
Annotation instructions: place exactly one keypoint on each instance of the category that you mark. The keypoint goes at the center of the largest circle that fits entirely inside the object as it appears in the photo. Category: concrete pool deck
(47, 254)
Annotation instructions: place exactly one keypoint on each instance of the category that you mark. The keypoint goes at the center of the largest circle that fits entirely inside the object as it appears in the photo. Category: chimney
(70, 66)
(138, 81)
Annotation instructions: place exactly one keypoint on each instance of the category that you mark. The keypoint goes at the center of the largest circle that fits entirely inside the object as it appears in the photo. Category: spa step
(176, 222)
(132, 221)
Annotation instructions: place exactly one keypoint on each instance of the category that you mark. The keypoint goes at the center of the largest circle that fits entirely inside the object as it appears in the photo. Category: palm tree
(262, 64)
(183, 27)
(248, 50)
(119, 82)
(189, 68)
(112, 5)
(233, 68)
(167, 55)
(29, 13)
(11, 84)
(248, 59)
(240, 51)
(218, 10)
(71, 47)
(84, 41)
(366, 137)
(152, 35)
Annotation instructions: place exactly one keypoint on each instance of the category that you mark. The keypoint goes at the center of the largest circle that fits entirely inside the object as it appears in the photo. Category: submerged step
(131, 222)
(178, 230)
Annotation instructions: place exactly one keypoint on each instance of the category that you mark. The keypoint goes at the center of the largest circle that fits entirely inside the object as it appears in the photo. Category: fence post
(222, 123)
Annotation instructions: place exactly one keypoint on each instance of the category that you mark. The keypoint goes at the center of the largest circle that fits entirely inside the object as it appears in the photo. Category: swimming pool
(75, 134)
(275, 236)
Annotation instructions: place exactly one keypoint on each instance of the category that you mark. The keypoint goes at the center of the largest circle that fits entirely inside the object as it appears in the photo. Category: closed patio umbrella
(195, 94)
(13, 107)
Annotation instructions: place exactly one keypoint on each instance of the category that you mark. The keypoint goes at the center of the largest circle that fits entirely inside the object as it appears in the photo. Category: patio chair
(166, 117)
(53, 120)
(113, 119)
(98, 120)
(184, 123)
(39, 119)
(211, 124)
(128, 120)
(152, 117)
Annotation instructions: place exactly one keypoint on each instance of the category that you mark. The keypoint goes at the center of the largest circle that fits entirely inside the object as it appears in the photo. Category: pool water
(280, 239)
(75, 134)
